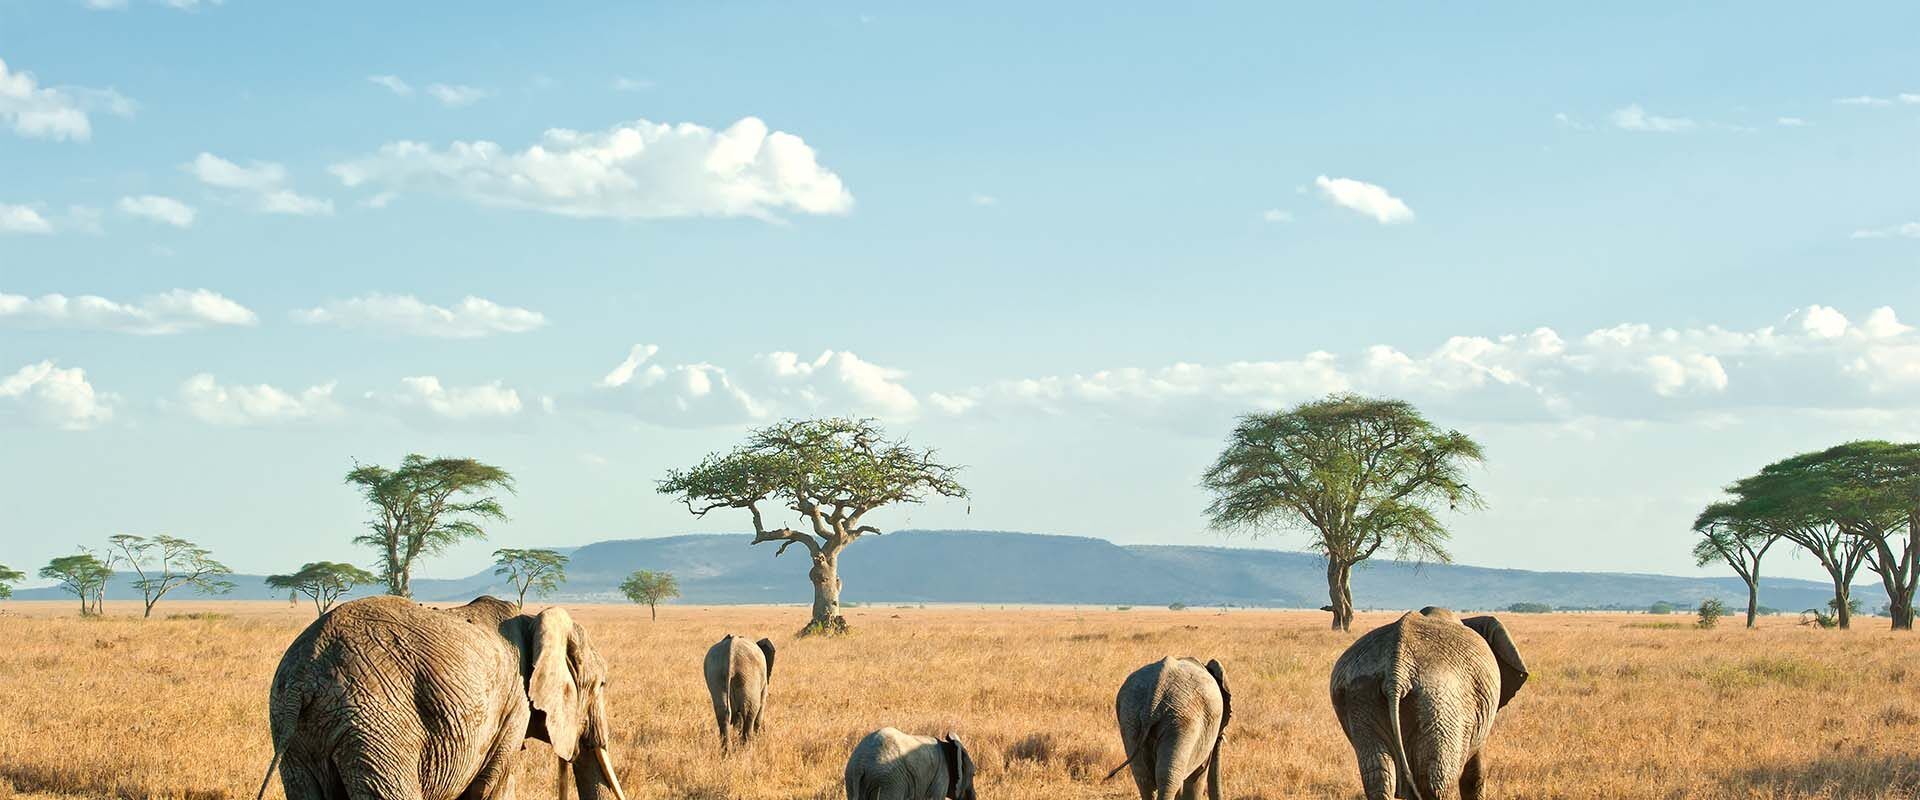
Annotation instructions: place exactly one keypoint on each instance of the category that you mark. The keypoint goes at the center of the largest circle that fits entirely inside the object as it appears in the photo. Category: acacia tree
(1356, 473)
(424, 507)
(82, 575)
(650, 588)
(1778, 503)
(1869, 490)
(831, 472)
(324, 582)
(8, 577)
(541, 571)
(1728, 536)
(174, 563)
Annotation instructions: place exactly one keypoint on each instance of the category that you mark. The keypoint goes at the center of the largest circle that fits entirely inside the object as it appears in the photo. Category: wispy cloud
(174, 311)
(625, 84)
(1863, 100)
(1790, 122)
(1634, 118)
(1276, 215)
(472, 317)
(393, 84)
(159, 209)
(455, 95)
(1905, 230)
(264, 182)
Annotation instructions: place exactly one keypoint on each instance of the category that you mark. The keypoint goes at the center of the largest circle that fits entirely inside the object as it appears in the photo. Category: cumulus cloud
(159, 209)
(1366, 198)
(48, 394)
(259, 404)
(770, 385)
(173, 311)
(639, 170)
(23, 219)
(455, 95)
(58, 113)
(426, 393)
(263, 182)
(472, 317)
(1817, 357)
(1635, 118)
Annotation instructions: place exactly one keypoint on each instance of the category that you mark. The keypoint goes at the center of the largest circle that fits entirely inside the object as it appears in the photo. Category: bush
(1176, 606)
(1529, 608)
(1662, 607)
(1711, 610)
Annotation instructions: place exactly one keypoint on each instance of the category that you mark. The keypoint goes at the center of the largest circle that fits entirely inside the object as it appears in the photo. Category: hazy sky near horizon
(1637, 254)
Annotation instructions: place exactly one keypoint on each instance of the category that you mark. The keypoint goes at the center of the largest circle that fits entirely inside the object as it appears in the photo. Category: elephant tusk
(606, 767)
(560, 778)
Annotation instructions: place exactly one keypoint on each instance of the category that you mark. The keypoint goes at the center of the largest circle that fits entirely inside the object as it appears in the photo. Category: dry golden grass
(176, 708)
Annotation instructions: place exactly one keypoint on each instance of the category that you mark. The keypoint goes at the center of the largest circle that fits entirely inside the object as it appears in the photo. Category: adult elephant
(385, 698)
(1432, 677)
(737, 673)
(890, 765)
(1173, 716)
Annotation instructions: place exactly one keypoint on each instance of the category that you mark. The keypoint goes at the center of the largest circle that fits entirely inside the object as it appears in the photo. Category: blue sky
(1638, 252)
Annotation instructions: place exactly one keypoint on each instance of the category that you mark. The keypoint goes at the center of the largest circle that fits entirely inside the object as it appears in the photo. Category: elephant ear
(551, 686)
(953, 753)
(766, 649)
(1219, 674)
(1513, 671)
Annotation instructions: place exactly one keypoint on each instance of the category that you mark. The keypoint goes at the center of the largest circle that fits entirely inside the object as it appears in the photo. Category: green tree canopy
(424, 507)
(1728, 535)
(8, 577)
(650, 588)
(324, 582)
(539, 571)
(82, 575)
(830, 472)
(1355, 473)
(164, 563)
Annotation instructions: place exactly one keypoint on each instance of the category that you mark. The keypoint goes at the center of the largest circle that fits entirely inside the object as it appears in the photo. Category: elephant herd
(385, 698)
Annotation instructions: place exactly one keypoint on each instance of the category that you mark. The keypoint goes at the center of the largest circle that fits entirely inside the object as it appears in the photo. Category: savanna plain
(1618, 706)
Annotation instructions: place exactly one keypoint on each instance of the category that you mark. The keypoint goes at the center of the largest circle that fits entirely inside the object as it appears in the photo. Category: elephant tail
(279, 744)
(1396, 694)
(1146, 745)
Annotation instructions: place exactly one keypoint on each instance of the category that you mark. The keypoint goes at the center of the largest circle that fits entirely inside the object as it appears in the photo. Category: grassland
(175, 708)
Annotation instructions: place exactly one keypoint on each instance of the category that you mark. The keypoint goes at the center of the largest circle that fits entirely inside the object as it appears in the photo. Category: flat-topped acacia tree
(833, 473)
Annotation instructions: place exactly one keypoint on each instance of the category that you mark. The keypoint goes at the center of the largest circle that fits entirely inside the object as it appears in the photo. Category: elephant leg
(1142, 770)
(1167, 761)
(1366, 729)
(495, 780)
(302, 780)
(1195, 787)
(720, 715)
(1472, 778)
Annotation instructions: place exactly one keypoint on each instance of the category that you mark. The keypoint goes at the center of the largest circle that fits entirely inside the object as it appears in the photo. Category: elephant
(890, 765)
(1173, 717)
(1433, 676)
(384, 698)
(737, 676)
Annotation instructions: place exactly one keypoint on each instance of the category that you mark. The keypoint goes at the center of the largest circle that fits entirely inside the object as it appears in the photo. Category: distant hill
(1025, 568)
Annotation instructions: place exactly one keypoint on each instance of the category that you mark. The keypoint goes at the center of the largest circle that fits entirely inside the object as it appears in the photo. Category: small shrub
(1711, 610)
(1661, 607)
(1123, 608)
(1176, 606)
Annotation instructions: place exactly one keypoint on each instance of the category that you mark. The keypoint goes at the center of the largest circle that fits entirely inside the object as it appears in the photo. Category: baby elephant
(737, 676)
(890, 765)
(1417, 700)
(1173, 715)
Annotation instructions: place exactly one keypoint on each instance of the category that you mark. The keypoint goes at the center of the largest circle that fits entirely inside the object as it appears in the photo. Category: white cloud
(1910, 98)
(1817, 358)
(106, 5)
(455, 95)
(425, 392)
(624, 84)
(264, 181)
(1566, 121)
(1635, 118)
(641, 170)
(1368, 199)
(1790, 122)
(393, 83)
(1863, 100)
(773, 384)
(159, 209)
(472, 317)
(48, 394)
(1276, 215)
(22, 219)
(59, 113)
(259, 404)
(1905, 230)
(169, 312)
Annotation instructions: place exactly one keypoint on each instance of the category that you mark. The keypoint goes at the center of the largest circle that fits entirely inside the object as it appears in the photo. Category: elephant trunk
(593, 776)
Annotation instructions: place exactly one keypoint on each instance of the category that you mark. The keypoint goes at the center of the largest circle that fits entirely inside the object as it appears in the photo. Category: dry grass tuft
(176, 708)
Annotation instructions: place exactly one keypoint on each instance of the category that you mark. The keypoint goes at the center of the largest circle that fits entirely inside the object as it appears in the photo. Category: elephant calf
(890, 765)
(1173, 715)
(1417, 700)
(737, 673)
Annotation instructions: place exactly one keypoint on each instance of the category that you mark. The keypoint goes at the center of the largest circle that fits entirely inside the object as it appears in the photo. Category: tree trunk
(826, 593)
(1843, 605)
(1900, 607)
(1340, 593)
(523, 597)
(1753, 602)
(653, 611)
